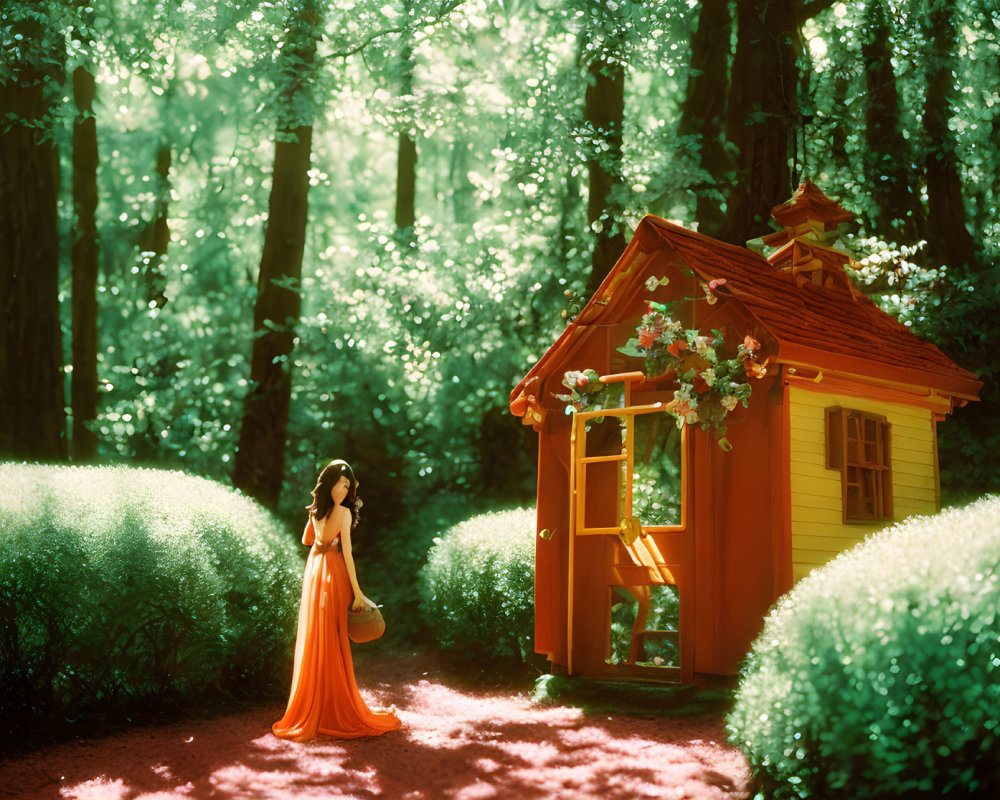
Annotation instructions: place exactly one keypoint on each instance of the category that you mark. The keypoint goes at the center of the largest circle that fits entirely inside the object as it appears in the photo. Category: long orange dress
(324, 701)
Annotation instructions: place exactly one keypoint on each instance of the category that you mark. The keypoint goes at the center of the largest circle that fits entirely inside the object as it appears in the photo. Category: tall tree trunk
(887, 154)
(462, 196)
(604, 112)
(32, 412)
(763, 113)
(155, 239)
(259, 463)
(948, 236)
(704, 108)
(406, 161)
(841, 127)
(567, 238)
(406, 183)
(83, 391)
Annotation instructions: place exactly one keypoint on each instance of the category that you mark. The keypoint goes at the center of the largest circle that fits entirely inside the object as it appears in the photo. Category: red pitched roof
(829, 329)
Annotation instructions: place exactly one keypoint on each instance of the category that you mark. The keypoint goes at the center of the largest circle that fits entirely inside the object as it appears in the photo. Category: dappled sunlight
(316, 780)
(239, 239)
(456, 743)
(594, 761)
(450, 718)
(99, 788)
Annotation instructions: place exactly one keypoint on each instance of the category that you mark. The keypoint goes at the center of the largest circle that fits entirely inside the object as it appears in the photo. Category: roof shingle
(831, 322)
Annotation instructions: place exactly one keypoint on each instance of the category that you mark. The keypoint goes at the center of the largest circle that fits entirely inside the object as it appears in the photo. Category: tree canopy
(459, 167)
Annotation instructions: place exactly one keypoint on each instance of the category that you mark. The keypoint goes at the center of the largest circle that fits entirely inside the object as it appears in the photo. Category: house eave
(914, 381)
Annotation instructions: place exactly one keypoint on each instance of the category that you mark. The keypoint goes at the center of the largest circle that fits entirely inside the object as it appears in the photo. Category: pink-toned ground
(459, 743)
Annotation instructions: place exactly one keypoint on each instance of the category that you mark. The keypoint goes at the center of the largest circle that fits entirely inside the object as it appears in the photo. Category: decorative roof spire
(809, 204)
(805, 246)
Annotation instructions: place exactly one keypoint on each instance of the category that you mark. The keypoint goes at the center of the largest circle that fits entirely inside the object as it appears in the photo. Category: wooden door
(630, 605)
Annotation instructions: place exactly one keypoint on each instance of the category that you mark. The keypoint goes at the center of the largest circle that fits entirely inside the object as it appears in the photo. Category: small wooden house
(659, 553)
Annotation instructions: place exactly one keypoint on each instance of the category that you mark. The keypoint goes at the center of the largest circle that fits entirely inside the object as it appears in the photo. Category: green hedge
(389, 561)
(124, 591)
(878, 676)
(477, 589)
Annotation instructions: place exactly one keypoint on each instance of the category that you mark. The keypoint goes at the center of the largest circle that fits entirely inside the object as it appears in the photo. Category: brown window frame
(859, 446)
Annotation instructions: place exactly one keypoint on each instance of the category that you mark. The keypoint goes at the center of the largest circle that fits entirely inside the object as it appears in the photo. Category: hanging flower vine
(587, 392)
(711, 378)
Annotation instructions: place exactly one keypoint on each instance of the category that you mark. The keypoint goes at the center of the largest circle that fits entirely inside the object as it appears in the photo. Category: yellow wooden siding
(816, 501)
(818, 530)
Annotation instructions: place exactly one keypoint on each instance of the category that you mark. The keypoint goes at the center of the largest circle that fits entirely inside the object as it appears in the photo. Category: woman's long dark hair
(322, 503)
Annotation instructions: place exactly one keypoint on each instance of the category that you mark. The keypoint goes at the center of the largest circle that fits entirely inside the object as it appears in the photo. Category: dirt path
(459, 744)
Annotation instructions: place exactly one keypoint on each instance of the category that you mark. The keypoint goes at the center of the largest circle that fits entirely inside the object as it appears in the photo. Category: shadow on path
(467, 744)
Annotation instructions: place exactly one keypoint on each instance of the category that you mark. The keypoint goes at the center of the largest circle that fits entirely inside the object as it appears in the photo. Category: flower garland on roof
(710, 381)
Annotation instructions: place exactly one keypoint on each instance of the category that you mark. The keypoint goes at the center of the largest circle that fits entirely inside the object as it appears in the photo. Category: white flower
(572, 379)
(709, 377)
(729, 402)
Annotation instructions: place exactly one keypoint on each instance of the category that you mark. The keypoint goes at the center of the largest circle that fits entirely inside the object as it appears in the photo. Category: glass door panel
(645, 626)
(656, 471)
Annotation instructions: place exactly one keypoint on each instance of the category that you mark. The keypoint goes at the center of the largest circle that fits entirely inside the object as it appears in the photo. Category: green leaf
(631, 348)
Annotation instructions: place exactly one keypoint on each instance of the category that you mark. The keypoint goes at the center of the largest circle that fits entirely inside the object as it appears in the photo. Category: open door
(630, 604)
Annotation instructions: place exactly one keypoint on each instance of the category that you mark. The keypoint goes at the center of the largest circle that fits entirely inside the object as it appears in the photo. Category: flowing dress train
(324, 700)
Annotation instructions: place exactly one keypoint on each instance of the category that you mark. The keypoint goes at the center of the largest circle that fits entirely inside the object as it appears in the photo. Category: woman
(324, 700)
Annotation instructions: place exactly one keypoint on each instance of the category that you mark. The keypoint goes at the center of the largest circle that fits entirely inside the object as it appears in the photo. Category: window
(858, 445)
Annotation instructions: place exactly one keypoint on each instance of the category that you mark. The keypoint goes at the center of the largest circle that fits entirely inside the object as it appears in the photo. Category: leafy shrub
(124, 591)
(879, 675)
(405, 546)
(477, 588)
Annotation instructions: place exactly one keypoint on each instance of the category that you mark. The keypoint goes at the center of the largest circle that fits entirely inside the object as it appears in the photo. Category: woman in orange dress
(324, 700)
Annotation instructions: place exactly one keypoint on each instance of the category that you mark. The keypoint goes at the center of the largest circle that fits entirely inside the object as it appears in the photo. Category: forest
(242, 238)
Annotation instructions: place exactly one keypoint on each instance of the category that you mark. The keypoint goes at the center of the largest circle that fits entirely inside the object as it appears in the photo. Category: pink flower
(647, 337)
(710, 288)
(750, 343)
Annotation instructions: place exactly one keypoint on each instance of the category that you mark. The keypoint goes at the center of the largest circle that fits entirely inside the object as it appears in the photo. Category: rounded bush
(477, 588)
(126, 590)
(879, 674)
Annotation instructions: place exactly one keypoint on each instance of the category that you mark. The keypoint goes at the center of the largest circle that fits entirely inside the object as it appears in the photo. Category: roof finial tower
(810, 224)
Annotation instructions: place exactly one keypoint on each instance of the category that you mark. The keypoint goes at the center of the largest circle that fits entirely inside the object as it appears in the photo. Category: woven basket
(365, 626)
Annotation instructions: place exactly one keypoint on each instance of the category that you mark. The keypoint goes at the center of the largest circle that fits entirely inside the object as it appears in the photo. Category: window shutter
(834, 438)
